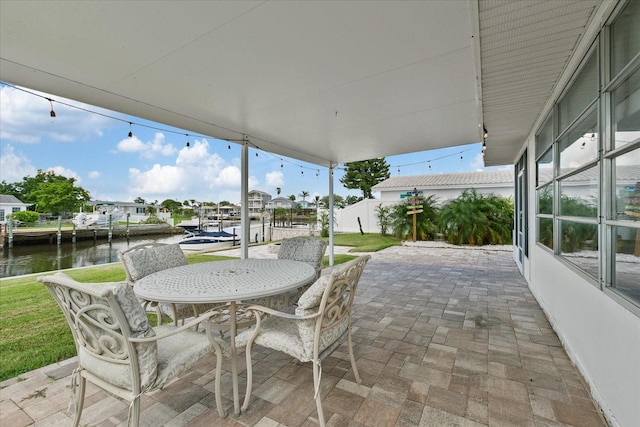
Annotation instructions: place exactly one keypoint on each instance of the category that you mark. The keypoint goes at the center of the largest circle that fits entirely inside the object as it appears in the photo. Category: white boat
(99, 217)
(208, 240)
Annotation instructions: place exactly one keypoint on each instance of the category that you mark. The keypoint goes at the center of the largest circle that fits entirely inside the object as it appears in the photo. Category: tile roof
(447, 179)
(10, 199)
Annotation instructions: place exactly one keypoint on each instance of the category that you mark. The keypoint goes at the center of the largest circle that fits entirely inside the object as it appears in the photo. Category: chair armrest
(267, 310)
(194, 322)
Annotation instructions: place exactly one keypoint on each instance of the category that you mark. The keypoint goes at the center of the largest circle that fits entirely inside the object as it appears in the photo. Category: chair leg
(316, 388)
(217, 383)
(78, 391)
(353, 359)
(247, 395)
(134, 415)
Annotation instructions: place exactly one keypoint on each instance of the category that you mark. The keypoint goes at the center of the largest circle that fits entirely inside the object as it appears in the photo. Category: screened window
(625, 37)
(626, 111)
(544, 138)
(627, 184)
(544, 167)
(545, 200)
(579, 245)
(545, 232)
(579, 146)
(626, 265)
(579, 194)
(1, 214)
(581, 94)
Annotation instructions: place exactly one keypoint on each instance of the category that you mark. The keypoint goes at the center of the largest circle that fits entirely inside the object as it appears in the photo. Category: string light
(130, 134)
(51, 113)
(485, 133)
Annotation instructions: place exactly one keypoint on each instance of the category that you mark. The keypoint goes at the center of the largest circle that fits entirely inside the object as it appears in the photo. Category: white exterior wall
(347, 218)
(599, 334)
(447, 193)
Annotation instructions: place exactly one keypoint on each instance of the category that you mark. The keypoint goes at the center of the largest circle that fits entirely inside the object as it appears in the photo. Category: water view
(26, 259)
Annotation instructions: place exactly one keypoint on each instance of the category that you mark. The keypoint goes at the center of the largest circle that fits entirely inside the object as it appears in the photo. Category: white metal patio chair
(117, 348)
(305, 249)
(322, 321)
(142, 260)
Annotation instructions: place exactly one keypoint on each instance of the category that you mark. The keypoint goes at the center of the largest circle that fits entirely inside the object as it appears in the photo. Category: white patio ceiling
(318, 81)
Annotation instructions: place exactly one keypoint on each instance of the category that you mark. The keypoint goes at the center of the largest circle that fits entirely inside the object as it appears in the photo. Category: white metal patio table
(225, 282)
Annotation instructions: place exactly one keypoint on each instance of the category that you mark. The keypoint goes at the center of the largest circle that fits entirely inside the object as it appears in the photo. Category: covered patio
(443, 336)
(538, 83)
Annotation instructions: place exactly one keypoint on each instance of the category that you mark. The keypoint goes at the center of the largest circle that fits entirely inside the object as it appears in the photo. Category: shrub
(475, 219)
(426, 228)
(28, 217)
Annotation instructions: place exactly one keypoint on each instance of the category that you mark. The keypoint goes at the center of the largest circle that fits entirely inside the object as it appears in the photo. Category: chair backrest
(102, 318)
(332, 296)
(305, 249)
(142, 260)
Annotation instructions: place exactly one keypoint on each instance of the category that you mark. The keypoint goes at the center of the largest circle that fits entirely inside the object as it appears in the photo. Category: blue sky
(93, 146)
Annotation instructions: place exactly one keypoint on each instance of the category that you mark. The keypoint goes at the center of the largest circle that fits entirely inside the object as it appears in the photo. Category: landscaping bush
(27, 217)
(476, 219)
(426, 228)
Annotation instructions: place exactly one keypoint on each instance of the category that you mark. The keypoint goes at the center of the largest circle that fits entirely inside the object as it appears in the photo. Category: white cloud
(95, 174)
(147, 149)
(274, 179)
(197, 174)
(477, 163)
(25, 118)
(14, 166)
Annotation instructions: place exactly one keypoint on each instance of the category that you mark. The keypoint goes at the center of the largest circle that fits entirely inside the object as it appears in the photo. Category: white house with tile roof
(446, 186)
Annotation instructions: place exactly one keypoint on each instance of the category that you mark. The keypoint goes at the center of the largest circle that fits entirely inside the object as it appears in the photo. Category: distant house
(448, 186)
(10, 204)
(281, 202)
(257, 201)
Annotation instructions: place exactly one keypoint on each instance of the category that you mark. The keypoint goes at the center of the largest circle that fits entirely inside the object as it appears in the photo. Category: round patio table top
(224, 281)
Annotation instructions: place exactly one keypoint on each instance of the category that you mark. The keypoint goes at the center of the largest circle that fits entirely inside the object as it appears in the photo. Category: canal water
(26, 259)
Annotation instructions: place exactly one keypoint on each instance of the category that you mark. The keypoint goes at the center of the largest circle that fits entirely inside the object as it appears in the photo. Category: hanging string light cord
(246, 139)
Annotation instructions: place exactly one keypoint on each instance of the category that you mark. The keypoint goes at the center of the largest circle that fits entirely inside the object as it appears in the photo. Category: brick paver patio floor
(443, 336)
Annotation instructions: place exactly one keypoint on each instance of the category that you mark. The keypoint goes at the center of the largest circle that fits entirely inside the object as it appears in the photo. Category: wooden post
(415, 215)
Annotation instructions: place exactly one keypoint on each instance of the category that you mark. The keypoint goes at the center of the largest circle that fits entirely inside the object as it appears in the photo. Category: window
(580, 95)
(579, 145)
(626, 111)
(13, 210)
(625, 37)
(579, 194)
(2, 215)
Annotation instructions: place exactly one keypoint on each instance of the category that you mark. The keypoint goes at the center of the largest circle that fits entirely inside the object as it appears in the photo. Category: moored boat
(208, 240)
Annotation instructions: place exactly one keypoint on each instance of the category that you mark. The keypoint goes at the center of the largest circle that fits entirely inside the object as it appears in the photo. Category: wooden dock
(30, 236)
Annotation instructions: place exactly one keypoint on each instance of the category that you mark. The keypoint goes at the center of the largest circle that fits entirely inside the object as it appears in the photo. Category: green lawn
(33, 332)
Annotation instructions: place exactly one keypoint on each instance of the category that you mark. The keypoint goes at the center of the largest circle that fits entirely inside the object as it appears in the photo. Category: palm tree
(303, 195)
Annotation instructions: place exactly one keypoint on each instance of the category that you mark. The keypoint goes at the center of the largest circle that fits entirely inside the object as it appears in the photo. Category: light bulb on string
(51, 113)
(130, 132)
(187, 135)
(317, 173)
(398, 170)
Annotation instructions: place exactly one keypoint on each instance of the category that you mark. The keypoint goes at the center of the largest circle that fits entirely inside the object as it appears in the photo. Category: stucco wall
(600, 335)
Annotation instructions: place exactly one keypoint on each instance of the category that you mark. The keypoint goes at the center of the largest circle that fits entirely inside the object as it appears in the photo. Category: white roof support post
(331, 214)
(244, 201)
